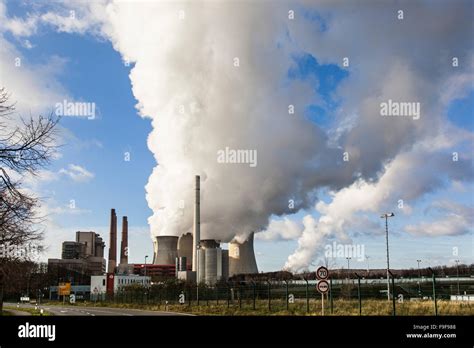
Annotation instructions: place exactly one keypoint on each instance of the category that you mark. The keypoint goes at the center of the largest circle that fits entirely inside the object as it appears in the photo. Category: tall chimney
(124, 242)
(197, 222)
(113, 242)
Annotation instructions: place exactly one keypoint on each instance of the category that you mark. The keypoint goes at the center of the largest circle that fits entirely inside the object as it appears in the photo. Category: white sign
(322, 286)
(322, 273)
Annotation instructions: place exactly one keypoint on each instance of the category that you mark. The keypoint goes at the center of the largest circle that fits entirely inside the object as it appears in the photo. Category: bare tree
(25, 147)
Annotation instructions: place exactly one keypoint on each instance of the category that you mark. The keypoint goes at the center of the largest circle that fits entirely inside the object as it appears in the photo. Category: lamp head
(387, 215)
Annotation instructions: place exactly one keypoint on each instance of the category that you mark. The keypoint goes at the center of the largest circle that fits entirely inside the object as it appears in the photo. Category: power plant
(187, 257)
(204, 260)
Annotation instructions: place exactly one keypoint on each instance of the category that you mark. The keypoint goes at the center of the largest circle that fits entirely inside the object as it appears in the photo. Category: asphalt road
(94, 311)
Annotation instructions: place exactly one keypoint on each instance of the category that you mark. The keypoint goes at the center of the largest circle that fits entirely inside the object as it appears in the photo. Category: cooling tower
(166, 250)
(113, 243)
(185, 248)
(242, 257)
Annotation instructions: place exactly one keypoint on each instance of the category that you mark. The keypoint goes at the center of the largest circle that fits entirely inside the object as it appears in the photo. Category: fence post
(287, 303)
(359, 294)
(269, 295)
(197, 292)
(240, 296)
(228, 295)
(254, 293)
(307, 296)
(393, 292)
(434, 292)
(330, 295)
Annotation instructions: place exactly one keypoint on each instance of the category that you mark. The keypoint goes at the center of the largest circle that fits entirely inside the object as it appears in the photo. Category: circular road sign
(322, 273)
(322, 286)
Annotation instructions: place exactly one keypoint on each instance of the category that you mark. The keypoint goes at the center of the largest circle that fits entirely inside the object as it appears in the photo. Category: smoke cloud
(215, 76)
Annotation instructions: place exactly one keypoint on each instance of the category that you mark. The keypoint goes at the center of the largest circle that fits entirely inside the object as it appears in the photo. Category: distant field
(340, 307)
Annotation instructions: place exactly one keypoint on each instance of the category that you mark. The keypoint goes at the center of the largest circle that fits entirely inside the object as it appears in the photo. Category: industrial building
(159, 271)
(84, 256)
(186, 257)
(203, 260)
(111, 284)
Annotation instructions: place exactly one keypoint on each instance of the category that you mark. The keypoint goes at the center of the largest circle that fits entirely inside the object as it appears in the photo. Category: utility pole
(146, 256)
(457, 274)
(386, 216)
(419, 278)
(348, 267)
(368, 268)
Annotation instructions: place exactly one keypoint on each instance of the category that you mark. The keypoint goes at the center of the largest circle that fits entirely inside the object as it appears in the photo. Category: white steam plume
(186, 80)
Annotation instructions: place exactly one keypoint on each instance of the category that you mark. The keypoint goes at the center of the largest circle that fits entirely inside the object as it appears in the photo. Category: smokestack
(124, 243)
(197, 221)
(113, 242)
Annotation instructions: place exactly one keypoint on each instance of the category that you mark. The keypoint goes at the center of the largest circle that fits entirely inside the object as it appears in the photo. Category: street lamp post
(348, 267)
(419, 278)
(386, 216)
(368, 268)
(146, 256)
(457, 274)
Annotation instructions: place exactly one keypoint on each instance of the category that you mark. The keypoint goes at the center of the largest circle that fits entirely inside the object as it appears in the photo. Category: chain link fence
(359, 296)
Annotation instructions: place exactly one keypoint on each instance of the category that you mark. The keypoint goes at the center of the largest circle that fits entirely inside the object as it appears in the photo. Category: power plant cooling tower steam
(242, 257)
(212, 87)
(112, 264)
(166, 250)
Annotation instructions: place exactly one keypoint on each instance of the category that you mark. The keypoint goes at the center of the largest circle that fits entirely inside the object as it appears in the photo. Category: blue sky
(90, 69)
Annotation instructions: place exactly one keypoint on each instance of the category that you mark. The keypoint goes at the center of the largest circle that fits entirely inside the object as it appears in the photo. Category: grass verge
(340, 308)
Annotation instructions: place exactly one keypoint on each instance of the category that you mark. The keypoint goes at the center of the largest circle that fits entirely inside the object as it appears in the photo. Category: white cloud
(451, 219)
(77, 173)
(17, 26)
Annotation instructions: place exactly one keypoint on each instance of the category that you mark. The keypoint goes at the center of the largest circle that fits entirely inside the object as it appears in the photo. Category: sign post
(322, 286)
